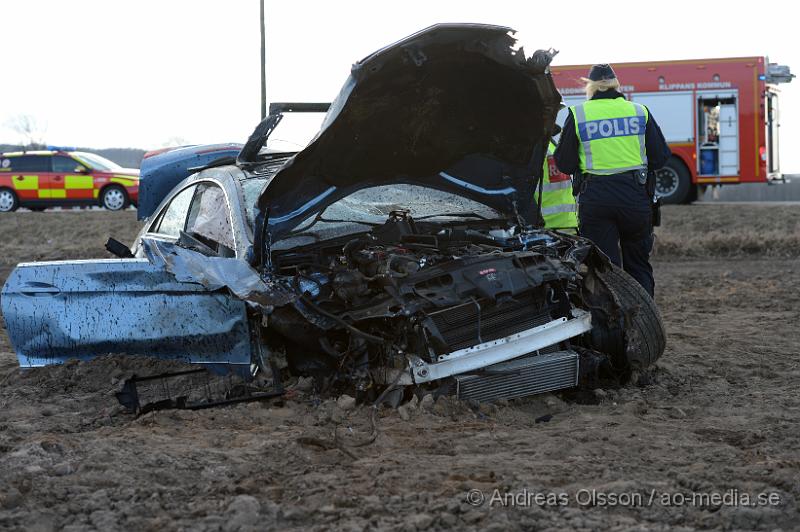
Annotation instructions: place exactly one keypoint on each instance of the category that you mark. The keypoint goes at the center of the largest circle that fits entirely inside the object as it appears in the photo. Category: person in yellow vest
(558, 204)
(608, 145)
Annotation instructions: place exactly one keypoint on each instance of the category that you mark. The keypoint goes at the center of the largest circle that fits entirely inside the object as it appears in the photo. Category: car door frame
(233, 198)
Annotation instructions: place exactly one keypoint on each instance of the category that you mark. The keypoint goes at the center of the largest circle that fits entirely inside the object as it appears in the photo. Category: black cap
(600, 72)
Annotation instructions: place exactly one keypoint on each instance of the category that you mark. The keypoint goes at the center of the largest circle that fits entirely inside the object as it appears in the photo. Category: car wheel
(114, 198)
(8, 200)
(673, 182)
(643, 337)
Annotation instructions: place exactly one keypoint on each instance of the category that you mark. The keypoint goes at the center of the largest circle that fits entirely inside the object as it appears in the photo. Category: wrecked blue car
(400, 247)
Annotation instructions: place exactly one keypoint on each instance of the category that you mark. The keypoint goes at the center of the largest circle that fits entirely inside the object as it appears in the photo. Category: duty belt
(639, 175)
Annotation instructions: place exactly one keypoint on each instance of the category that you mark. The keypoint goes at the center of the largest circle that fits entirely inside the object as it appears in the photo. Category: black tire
(673, 182)
(9, 202)
(114, 198)
(644, 338)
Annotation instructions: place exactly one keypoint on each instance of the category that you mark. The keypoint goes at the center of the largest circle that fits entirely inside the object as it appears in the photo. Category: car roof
(41, 152)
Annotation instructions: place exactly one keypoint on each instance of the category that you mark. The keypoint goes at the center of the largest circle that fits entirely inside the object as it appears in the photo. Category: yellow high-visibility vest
(558, 204)
(611, 135)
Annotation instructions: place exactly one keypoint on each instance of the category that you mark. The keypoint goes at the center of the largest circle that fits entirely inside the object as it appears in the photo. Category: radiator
(476, 322)
(520, 377)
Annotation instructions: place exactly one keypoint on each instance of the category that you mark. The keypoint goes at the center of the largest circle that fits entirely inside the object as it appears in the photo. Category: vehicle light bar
(60, 148)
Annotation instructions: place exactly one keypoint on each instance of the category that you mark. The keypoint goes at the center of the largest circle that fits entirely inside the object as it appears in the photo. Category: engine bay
(417, 289)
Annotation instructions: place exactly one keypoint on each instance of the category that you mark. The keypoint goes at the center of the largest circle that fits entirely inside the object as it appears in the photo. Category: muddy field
(709, 439)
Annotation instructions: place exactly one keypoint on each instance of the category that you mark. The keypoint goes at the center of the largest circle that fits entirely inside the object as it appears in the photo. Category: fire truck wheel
(114, 198)
(8, 200)
(673, 182)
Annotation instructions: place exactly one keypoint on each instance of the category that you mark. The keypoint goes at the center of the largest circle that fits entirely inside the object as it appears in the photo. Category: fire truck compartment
(717, 133)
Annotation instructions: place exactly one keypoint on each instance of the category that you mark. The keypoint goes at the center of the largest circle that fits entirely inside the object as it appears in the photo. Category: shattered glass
(251, 190)
(174, 218)
(370, 207)
(209, 216)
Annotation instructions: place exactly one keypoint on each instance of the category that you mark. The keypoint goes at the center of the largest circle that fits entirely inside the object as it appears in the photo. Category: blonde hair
(601, 85)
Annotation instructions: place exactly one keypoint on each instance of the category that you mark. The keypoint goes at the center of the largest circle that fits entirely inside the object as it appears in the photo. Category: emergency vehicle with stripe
(60, 178)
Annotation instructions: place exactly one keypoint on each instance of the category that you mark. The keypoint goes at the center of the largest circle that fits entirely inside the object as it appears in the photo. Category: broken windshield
(370, 207)
(251, 189)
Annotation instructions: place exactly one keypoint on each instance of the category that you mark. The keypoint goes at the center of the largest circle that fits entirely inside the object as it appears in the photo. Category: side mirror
(82, 170)
(118, 249)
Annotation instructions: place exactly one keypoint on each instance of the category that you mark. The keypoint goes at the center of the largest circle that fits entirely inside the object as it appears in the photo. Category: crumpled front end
(443, 311)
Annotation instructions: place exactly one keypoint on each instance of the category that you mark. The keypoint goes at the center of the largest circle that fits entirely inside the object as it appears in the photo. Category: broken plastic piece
(193, 389)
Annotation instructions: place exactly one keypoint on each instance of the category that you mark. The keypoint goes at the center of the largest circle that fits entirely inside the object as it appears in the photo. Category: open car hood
(453, 107)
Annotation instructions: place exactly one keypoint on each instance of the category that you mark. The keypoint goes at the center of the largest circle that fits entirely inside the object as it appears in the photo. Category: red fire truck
(719, 116)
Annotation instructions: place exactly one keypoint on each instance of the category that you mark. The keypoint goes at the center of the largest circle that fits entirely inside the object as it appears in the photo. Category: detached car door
(55, 311)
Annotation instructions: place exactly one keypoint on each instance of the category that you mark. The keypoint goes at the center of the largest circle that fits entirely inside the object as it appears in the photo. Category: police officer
(558, 204)
(608, 144)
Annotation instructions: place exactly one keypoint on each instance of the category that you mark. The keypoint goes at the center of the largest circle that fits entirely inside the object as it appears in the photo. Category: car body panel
(56, 311)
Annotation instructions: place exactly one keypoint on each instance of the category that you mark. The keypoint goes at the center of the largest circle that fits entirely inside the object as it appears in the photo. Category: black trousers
(625, 235)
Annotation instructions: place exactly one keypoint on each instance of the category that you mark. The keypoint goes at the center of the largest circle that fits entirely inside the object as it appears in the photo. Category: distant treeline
(125, 157)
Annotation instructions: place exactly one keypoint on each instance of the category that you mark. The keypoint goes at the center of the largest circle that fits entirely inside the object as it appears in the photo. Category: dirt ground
(716, 423)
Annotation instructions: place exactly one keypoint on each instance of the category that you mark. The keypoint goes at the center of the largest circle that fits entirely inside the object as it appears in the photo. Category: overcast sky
(147, 73)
